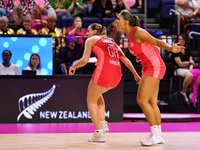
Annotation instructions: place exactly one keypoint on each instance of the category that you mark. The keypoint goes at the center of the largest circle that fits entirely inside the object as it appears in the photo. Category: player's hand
(72, 70)
(176, 48)
(137, 79)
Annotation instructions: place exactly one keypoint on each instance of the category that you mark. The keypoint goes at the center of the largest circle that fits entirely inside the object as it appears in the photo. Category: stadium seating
(67, 21)
(166, 5)
(89, 20)
(107, 21)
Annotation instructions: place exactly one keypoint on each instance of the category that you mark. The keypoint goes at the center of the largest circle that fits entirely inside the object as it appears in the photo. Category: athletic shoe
(161, 139)
(153, 139)
(104, 126)
(186, 99)
(98, 137)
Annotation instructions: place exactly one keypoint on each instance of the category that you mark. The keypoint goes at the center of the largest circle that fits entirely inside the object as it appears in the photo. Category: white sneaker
(186, 99)
(98, 137)
(161, 139)
(153, 139)
(190, 97)
(104, 126)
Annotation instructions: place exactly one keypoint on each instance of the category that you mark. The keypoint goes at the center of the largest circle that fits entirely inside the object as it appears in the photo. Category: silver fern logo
(34, 102)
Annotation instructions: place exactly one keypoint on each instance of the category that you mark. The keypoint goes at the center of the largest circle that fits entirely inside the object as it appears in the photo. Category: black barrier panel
(53, 99)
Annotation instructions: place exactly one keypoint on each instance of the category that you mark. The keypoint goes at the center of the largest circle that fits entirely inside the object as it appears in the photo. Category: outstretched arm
(85, 58)
(142, 35)
(129, 65)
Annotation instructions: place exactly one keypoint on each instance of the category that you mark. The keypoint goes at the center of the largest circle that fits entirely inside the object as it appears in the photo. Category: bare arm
(85, 58)
(126, 6)
(64, 67)
(180, 63)
(129, 65)
(140, 35)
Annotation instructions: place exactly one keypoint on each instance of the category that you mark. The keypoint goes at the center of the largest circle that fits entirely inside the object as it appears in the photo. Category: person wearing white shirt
(34, 63)
(7, 68)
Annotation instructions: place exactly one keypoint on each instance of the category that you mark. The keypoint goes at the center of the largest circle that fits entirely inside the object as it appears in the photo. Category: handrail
(192, 32)
(190, 24)
(178, 18)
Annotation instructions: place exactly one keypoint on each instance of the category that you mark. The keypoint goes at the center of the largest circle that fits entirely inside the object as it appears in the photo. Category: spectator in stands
(2, 8)
(114, 34)
(188, 10)
(10, 4)
(183, 64)
(139, 4)
(73, 51)
(60, 7)
(58, 42)
(45, 5)
(120, 5)
(7, 68)
(75, 7)
(38, 20)
(87, 6)
(26, 29)
(102, 9)
(77, 30)
(4, 26)
(34, 63)
(15, 20)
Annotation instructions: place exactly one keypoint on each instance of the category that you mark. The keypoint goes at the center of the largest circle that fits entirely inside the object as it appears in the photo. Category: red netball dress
(108, 68)
(148, 55)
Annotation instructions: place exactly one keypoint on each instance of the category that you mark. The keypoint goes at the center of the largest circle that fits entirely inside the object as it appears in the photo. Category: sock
(159, 129)
(102, 122)
(154, 129)
(97, 131)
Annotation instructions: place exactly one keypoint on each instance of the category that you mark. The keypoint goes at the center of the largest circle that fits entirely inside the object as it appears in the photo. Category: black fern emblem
(33, 102)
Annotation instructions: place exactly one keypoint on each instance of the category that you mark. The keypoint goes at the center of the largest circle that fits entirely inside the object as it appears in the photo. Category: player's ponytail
(101, 30)
(133, 19)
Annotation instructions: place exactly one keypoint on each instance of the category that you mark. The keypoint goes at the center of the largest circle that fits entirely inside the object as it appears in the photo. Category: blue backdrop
(23, 47)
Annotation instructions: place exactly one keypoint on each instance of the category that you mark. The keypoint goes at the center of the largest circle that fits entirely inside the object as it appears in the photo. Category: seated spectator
(4, 26)
(60, 7)
(38, 20)
(76, 8)
(26, 29)
(34, 63)
(183, 64)
(58, 41)
(7, 68)
(87, 6)
(10, 4)
(102, 9)
(15, 20)
(73, 51)
(77, 30)
(120, 5)
(188, 10)
(45, 6)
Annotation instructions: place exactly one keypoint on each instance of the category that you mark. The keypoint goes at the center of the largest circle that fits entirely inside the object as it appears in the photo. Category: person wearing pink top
(77, 30)
(45, 5)
(143, 46)
(38, 20)
(106, 76)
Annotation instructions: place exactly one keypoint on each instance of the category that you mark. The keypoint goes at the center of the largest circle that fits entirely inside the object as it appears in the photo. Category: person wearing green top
(61, 8)
(75, 7)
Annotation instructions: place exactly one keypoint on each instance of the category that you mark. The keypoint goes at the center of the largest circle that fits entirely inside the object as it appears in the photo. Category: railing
(178, 19)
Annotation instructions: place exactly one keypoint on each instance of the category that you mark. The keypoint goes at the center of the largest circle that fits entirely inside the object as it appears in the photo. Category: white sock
(159, 129)
(102, 122)
(154, 129)
(97, 131)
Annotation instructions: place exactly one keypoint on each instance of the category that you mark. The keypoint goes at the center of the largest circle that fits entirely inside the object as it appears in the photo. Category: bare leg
(101, 107)
(187, 81)
(94, 93)
(148, 85)
(153, 103)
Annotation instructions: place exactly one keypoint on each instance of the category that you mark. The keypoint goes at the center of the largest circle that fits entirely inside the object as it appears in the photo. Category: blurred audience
(73, 51)
(39, 21)
(60, 7)
(45, 6)
(4, 26)
(77, 30)
(102, 9)
(75, 7)
(120, 5)
(15, 20)
(7, 68)
(34, 63)
(26, 29)
(2, 8)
